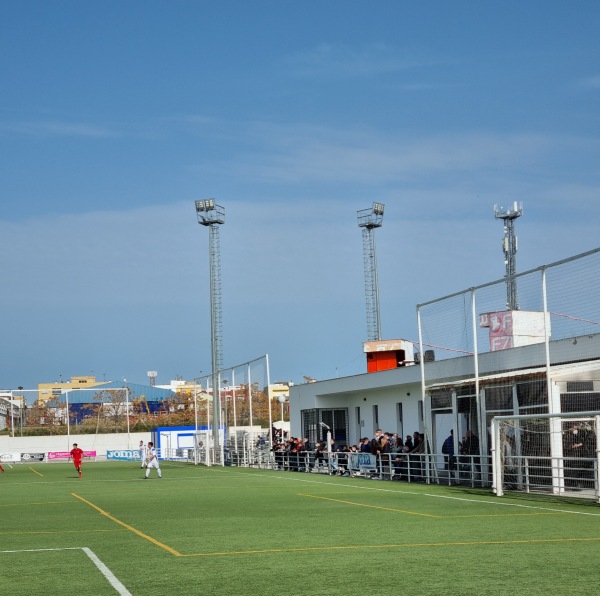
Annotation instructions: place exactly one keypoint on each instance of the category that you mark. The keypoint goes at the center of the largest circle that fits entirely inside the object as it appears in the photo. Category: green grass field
(243, 531)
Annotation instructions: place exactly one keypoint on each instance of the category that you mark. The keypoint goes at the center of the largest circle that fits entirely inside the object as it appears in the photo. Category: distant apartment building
(48, 391)
(11, 408)
(279, 389)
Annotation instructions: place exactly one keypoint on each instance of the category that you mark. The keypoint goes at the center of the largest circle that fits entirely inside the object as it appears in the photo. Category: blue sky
(115, 117)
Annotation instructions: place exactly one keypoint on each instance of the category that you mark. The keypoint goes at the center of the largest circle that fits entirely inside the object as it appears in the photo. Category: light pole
(226, 416)
(195, 406)
(329, 462)
(233, 400)
(281, 399)
(369, 220)
(12, 418)
(126, 414)
(211, 215)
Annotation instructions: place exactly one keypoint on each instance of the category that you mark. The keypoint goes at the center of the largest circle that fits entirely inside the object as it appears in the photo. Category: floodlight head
(371, 218)
(324, 425)
(205, 205)
(378, 208)
(209, 213)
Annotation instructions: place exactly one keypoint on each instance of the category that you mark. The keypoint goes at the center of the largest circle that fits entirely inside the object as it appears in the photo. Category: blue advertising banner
(124, 454)
(362, 461)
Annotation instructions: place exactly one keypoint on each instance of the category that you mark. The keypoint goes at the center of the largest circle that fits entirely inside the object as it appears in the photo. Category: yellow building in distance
(279, 389)
(47, 391)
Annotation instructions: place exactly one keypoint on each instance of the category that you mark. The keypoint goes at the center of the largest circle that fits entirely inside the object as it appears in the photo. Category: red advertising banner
(67, 454)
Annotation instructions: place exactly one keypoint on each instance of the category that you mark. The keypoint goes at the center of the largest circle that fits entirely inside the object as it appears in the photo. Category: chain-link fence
(236, 402)
(558, 301)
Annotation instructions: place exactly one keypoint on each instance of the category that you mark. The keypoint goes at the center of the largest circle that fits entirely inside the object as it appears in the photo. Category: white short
(153, 464)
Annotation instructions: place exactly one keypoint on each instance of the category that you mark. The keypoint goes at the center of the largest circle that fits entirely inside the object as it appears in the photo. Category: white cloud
(132, 286)
(292, 154)
(592, 82)
(344, 61)
(58, 128)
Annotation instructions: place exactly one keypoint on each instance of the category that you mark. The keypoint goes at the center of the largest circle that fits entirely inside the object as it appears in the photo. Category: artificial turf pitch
(233, 531)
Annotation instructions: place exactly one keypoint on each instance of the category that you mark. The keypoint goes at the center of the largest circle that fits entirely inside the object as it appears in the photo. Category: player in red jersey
(1, 468)
(77, 454)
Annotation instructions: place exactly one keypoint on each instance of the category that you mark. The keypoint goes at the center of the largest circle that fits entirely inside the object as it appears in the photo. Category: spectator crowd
(403, 456)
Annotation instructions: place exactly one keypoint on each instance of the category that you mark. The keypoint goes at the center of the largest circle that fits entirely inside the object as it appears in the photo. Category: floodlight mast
(152, 375)
(368, 220)
(211, 216)
(509, 247)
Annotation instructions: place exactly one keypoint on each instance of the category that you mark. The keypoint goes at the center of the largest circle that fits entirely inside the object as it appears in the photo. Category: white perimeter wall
(98, 443)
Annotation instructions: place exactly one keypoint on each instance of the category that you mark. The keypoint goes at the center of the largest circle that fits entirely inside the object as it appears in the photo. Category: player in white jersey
(142, 449)
(152, 460)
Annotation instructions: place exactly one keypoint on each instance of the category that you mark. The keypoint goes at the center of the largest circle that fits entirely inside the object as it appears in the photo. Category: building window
(579, 386)
(465, 390)
(532, 393)
(400, 418)
(499, 398)
(579, 402)
(441, 399)
(336, 419)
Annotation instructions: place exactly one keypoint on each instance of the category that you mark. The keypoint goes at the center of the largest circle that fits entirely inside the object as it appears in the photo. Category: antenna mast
(509, 247)
(368, 220)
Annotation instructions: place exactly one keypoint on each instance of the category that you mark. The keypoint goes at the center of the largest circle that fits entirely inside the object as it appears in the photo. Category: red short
(77, 463)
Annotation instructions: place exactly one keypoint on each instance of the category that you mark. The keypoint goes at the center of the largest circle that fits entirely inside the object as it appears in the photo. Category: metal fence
(236, 397)
(558, 301)
(466, 470)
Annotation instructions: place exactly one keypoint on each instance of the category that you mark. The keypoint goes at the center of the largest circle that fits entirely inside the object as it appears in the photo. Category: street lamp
(281, 400)
(329, 464)
(195, 406)
(225, 418)
(233, 400)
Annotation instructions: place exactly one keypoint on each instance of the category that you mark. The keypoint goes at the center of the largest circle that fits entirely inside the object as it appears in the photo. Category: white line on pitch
(104, 570)
(431, 495)
(108, 574)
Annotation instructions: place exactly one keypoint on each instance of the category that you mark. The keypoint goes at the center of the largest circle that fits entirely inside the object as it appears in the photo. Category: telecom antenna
(211, 216)
(509, 247)
(152, 374)
(368, 220)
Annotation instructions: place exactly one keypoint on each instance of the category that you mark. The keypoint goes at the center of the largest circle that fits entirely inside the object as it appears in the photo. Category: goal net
(556, 454)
